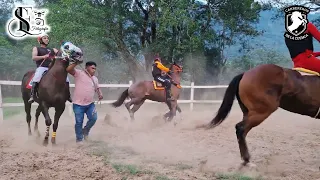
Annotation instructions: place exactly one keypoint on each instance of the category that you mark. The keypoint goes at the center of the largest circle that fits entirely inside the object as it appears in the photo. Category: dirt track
(285, 146)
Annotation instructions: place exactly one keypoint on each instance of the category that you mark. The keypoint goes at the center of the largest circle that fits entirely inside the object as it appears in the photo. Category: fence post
(1, 108)
(130, 83)
(191, 96)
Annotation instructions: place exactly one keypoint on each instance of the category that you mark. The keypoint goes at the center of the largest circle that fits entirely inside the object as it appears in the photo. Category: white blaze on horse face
(297, 20)
(67, 48)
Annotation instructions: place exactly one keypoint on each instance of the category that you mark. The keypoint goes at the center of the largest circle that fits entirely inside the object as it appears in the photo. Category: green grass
(11, 111)
(236, 176)
(12, 100)
(127, 169)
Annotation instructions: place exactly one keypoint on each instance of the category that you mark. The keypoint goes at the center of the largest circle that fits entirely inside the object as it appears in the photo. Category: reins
(176, 84)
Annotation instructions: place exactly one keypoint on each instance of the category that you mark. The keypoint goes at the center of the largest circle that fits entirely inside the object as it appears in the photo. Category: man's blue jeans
(79, 111)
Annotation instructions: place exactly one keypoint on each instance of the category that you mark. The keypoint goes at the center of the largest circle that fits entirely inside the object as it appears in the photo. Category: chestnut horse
(140, 91)
(261, 90)
(52, 90)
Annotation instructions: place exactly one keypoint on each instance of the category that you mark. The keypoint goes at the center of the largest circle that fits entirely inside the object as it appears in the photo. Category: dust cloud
(283, 147)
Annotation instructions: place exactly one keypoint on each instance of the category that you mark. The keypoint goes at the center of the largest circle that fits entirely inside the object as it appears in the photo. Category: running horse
(154, 91)
(261, 91)
(51, 89)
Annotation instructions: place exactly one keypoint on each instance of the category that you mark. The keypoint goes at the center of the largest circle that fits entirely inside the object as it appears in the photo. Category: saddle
(306, 72)
(158, 86)
(30, 81)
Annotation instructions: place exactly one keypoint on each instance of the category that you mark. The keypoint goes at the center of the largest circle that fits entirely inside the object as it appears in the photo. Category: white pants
(39, 72)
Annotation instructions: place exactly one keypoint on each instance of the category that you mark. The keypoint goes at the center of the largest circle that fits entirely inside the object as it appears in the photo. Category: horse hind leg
(249, 121)
(38, 112)
(136, 107)
(27, 109)
(137, 104)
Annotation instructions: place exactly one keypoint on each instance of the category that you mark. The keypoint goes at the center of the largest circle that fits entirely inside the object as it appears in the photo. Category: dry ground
(285, 146)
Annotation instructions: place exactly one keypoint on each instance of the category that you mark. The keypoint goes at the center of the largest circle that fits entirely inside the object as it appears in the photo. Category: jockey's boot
(34, 86)
(169, 95)
(68, 93)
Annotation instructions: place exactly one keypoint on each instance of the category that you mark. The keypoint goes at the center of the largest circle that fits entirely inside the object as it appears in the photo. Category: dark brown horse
(51, 89)
(261, 90)
(143, 90)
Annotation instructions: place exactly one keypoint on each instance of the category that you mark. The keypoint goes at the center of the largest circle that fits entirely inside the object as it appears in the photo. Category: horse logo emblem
(296, 22)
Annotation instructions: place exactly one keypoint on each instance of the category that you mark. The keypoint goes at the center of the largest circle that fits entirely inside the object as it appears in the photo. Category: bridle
(179, 69)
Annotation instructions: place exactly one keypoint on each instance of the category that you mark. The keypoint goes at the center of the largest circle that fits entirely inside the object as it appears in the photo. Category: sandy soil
(285, 146)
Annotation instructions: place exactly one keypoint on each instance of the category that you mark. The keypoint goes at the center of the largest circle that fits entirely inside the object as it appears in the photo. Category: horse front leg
(172, 112)
(57, 115)
(45, 112)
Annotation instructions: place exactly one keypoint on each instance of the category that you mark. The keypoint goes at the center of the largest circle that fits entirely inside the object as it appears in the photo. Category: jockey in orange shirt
(157, 67)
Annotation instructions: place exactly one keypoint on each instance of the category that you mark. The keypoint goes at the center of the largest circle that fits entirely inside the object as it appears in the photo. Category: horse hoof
(248, 165)
(53, 141)
(45, 142)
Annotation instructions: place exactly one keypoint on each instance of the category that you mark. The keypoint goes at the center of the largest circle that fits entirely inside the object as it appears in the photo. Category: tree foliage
(123, 36)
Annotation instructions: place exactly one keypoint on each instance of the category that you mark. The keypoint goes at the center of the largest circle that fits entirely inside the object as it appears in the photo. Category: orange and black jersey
(157, 67)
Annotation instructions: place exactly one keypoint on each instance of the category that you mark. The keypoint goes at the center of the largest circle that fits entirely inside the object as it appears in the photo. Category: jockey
(301, 51)
(40, 55)
(157, 67)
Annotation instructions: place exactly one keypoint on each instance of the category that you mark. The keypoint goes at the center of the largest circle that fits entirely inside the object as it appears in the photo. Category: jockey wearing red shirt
(301, 51)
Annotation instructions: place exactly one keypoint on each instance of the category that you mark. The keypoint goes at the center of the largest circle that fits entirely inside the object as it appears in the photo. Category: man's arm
(314, 31)
(162, 67)
(98, 90)
(55, 51)
(35, 56)
(71, 70)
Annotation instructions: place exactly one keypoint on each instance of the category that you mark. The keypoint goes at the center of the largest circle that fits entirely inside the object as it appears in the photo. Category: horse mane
(54, 59)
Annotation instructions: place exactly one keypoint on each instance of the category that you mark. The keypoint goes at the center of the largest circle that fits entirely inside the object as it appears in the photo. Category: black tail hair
(227, 102)
(121, 99)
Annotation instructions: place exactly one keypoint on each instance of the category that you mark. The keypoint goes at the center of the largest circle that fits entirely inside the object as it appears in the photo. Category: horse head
(70, 53)
(296, 17)
(176, 68)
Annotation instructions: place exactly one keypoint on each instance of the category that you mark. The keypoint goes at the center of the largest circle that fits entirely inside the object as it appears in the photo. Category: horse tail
(227, 102)
(121, 99)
